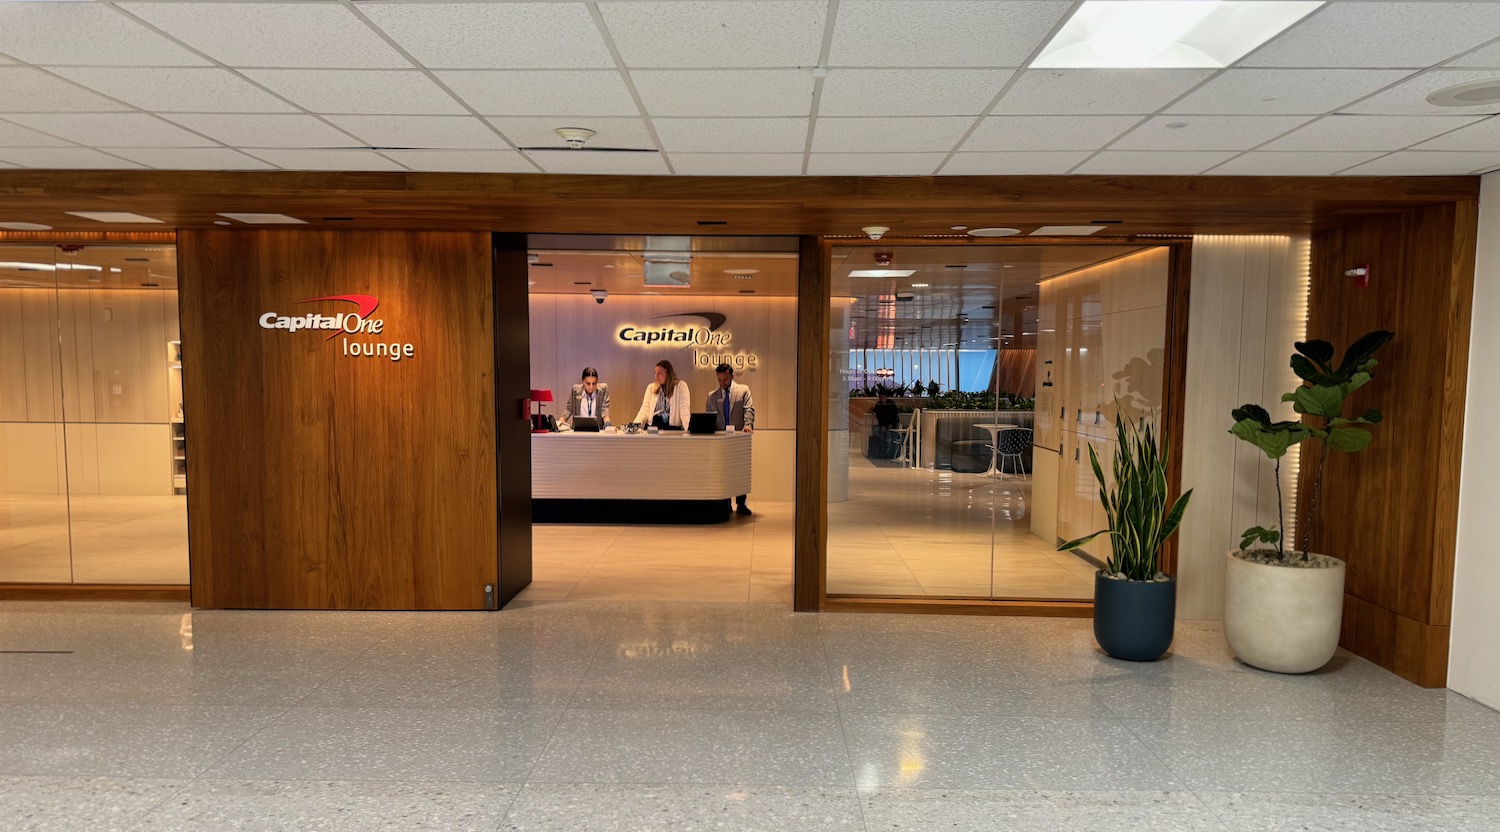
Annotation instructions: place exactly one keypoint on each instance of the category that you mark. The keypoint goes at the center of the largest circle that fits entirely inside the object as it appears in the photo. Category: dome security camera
(875, 231)
(599, 295)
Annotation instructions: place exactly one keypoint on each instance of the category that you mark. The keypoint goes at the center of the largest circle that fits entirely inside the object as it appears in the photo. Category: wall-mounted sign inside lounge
(344, 323)
(715, 343)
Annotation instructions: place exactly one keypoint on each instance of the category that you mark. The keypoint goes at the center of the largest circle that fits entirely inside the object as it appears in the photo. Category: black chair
(1012, 444)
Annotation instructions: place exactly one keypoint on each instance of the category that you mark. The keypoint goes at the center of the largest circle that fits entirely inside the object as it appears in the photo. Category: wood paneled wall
(1391, 511)
(319, 480)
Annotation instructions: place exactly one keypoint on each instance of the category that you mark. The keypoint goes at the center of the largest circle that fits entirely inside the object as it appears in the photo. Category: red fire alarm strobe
(1360, 274)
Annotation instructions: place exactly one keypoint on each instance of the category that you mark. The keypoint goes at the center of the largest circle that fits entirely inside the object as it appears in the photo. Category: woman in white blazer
(666, 403)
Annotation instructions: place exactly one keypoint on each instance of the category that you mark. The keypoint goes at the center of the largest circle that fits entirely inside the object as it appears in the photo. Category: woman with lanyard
(666, 403)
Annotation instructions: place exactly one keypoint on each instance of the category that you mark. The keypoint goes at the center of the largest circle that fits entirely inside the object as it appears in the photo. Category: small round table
(994, 445)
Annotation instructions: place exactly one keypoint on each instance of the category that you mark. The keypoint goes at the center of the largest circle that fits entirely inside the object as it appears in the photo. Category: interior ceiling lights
(994, 232)
(1472, 94)
(1168, 34)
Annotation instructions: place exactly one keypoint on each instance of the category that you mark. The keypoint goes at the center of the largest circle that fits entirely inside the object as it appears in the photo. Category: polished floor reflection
(115, 539)
(605, 715)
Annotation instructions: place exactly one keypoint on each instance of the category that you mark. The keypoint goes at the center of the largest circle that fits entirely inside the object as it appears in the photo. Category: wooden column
(1391, 511)
(1174, 386)
(512, 423)
(810, 559)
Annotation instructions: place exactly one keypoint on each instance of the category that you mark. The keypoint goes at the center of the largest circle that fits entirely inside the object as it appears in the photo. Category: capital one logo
(354, 323)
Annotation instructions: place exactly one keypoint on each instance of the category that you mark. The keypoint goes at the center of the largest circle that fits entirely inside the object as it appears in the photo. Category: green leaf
(1317, 400)
(1253, 412)
(1362, 350)
(1074, 544)
(1306, 371)
(1271, 442)
(1349, 439)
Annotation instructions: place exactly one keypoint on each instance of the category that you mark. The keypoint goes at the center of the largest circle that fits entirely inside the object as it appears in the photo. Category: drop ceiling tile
(887, 135)
(710, 93)
(1304, 163)
(494, 35)
(732, 135)
(62, 157)
(910, 92)
(85, 34)
(563, 161)
(873, 164)
(1410, 97)
(1048, 132)
(1487, 58)
(1429, 163)
(113, 129)
(1013, 163)
(27, 90)
(1097, 91)
(527, 93)
(359, 92)
(463, 161)
(720, 33)
(291, 159)
(608, 132)
(429, 132)
(1367, 132)
(1207, 132)
(892, 33)
(737, 164)
(273, 34)
(14, 135)
(1153, 163)
(1412, 34)
(264, 130)
(178, 90)
(1481, 136)
(193, 158)
(1285, 91)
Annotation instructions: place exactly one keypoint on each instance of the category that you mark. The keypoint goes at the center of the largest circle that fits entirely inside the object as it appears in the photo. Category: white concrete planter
(1283, 618)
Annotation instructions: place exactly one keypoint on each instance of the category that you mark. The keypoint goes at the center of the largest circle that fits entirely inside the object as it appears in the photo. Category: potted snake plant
(1135, 605)
(1283, 609)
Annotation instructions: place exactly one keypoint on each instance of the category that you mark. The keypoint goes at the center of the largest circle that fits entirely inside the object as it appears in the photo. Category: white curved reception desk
(668, 477)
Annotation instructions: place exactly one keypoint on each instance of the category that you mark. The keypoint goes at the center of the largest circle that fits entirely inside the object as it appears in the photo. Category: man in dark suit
(588, 398)
(731, 401)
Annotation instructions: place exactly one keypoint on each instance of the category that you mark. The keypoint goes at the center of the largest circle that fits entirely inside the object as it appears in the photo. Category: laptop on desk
(703, 422)
(585, 424)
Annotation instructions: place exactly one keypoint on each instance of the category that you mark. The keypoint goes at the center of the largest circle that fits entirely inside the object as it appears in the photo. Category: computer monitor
(703, 422)
(585, 424)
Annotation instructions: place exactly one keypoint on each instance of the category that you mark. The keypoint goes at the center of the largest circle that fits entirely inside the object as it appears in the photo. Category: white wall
(1249, 304)
(1474, 651)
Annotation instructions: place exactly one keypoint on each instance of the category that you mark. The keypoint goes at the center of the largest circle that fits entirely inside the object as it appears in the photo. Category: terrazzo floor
(608, 715)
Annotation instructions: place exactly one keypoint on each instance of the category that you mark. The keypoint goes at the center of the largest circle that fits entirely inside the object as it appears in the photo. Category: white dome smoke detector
(574, 137)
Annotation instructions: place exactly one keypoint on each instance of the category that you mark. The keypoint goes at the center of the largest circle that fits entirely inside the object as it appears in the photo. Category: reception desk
(608, 477)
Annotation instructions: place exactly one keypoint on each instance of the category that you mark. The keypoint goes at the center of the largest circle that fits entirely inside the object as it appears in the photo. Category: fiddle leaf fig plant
(1322, 395)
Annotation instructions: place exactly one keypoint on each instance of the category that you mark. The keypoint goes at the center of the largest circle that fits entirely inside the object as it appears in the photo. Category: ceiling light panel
(910, 92)
(85, 34)
(311, 35)
(1019, 163)
(1207, 132)
(178, 90)
(711, 93)
(113, 129)
(359, 92)
(494, 35)
(737, 164)
(1284, 91)
(295, 159)
(1161, 34)
(438, 132)
(874, 164)
(1410, 97)
(732, 135)
(192, 158)
(1368, 132)
(1097, 91)
(238, 130)
(463, 161)
(537, 93)
(1414, 35)
(1153, 163)
(24, 89)
(894, 135)
(265, 219)
(1266, 163)
(63, 157)
(719, 33)
(1072, 132)
(113, 216)
(918, 33)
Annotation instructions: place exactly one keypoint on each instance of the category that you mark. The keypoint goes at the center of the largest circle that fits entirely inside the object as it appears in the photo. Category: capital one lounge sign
(357, 327)
(711, 345)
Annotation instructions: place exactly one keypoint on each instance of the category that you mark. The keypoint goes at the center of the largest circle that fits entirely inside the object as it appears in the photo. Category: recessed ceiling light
(25, 226)
(1175, 125)
(1175, 34)
(994, 232)
(264, 219)
(882, 272)
(959, 227)
(920, 285)
(743, 274)
(221, 222)
(112, 216)
(1472, 94)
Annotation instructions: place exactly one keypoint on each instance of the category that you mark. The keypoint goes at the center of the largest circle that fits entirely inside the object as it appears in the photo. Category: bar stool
(904, 456)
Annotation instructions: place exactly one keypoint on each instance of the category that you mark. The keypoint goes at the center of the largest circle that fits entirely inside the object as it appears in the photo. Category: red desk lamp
(538, 422)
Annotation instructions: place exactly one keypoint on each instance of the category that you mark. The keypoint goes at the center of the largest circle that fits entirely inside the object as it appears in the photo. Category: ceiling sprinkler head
(875, 231)
(574, 137)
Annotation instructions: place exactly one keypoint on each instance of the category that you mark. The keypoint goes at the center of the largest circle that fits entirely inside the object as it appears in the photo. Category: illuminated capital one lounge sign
(355, 323)
(711, 345)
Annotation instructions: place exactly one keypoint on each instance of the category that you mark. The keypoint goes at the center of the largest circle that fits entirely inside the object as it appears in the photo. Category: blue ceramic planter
(1133, 620)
